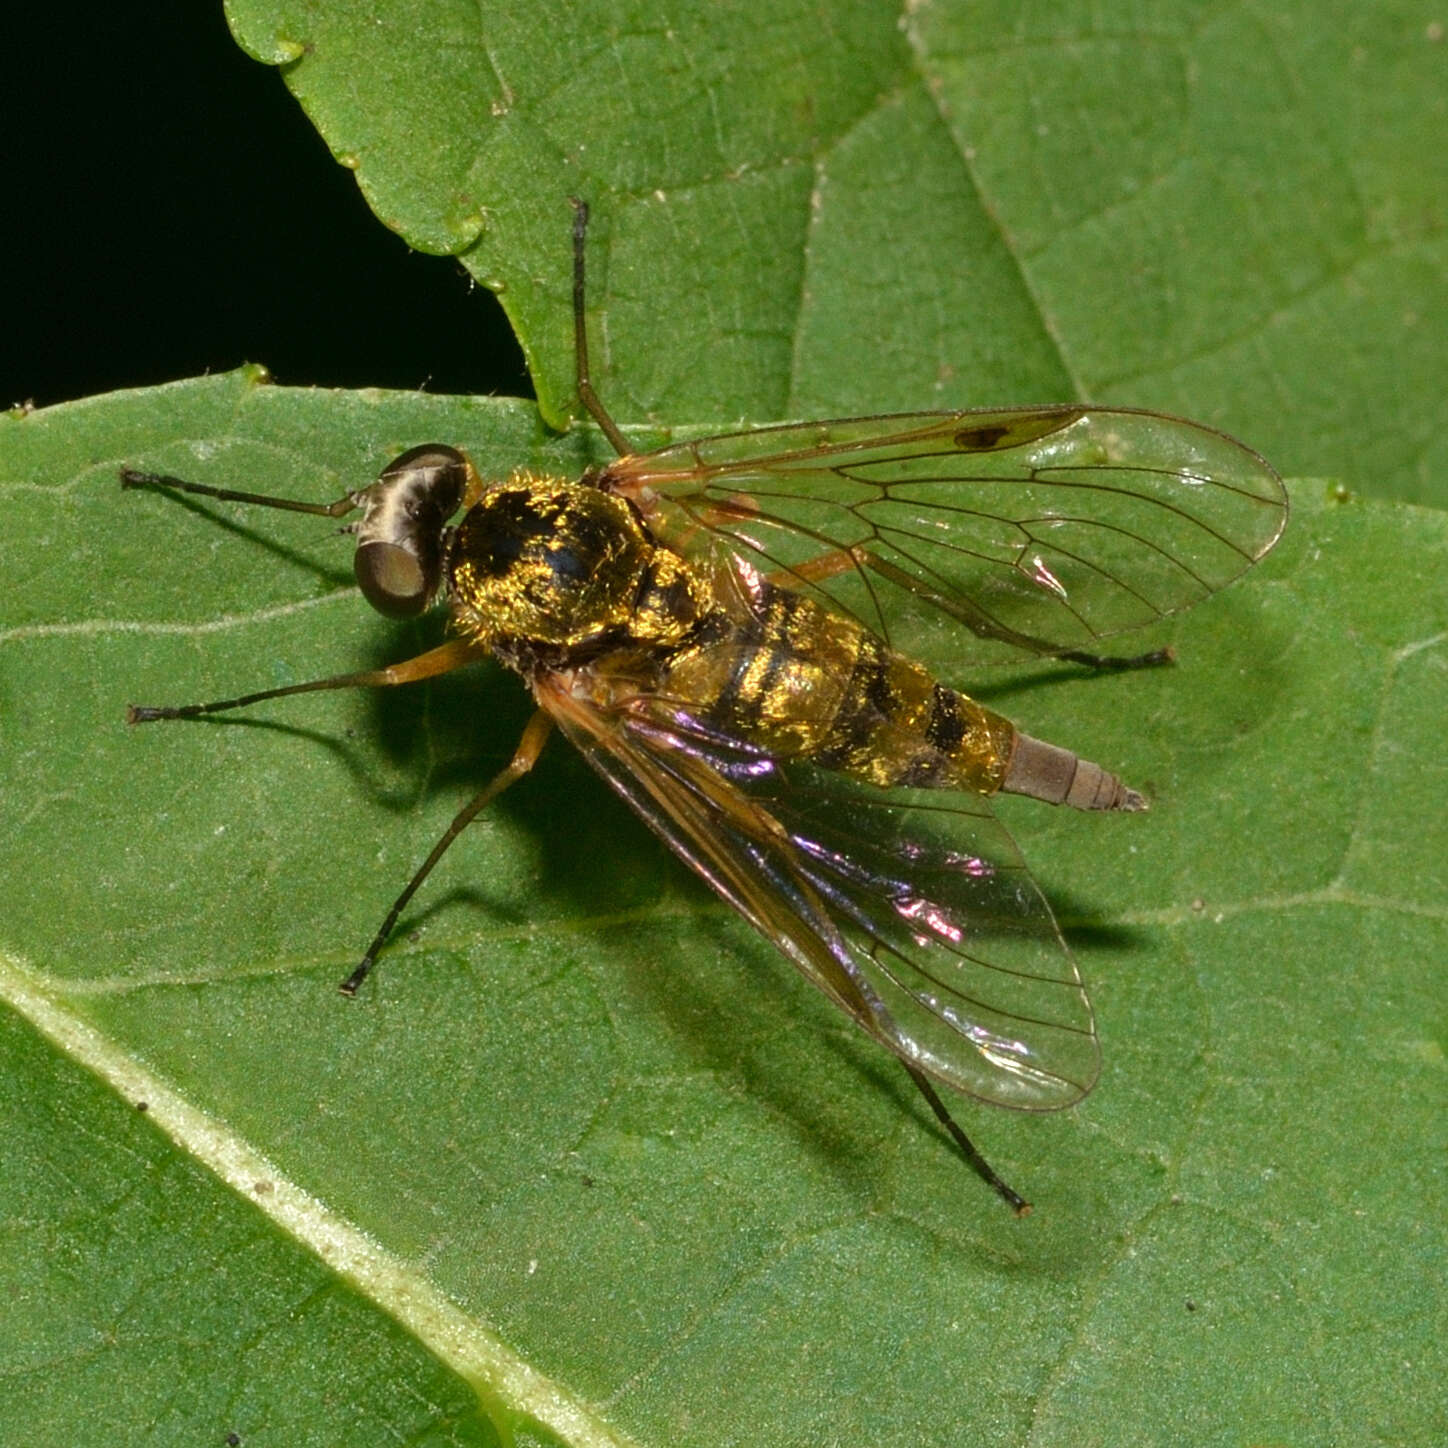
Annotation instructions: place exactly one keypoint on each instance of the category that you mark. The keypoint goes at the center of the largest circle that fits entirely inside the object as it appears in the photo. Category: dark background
(172, 212)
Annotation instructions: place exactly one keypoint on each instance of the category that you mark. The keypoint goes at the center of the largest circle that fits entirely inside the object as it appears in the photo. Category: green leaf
(588, 1162)
(1238, 215)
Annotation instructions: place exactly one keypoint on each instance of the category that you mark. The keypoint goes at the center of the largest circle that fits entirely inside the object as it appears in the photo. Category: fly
(714, 624)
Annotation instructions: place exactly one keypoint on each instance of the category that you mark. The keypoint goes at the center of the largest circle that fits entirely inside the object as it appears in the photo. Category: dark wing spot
(980, 439)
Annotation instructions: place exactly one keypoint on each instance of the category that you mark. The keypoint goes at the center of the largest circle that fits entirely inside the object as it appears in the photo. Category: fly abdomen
(810, 684)
(806, 683)
(897, 726)
(1048, 772)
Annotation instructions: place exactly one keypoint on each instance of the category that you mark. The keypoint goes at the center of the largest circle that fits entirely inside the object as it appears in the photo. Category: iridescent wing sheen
(1044, 528)
(912, 910)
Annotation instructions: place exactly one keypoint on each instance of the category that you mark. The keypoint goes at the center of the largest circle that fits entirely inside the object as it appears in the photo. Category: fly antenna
(586, 395)
(130, 478)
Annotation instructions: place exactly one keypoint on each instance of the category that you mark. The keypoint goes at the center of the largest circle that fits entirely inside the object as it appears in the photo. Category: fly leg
(1151, 659)
(441, 660)
(816, 570)
(982, 1168)
(980, 623)
(586, 395)
(338, 508)
(842, 560)
(530, 746)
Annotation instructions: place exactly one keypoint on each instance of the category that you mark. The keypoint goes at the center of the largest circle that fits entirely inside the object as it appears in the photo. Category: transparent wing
(912, 910)
(1044, 528)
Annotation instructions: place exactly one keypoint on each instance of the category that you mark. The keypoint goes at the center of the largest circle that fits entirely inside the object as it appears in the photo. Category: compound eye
(400, 547)
(392, 579)
(433, 475)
